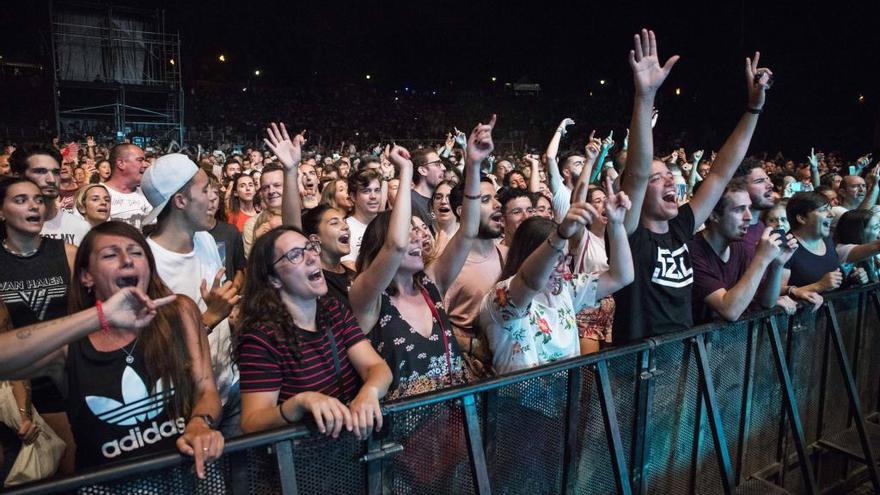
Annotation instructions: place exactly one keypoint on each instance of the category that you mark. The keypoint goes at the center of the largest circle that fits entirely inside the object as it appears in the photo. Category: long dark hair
(371, 244)
(261, 304)
(234, 201)
(5, 183)
(165, 349)
(851, 227)
(529, 235)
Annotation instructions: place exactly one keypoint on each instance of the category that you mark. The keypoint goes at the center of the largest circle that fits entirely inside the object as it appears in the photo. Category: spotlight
(677, 91)
(257, 72)
(222, 58)
(171, 61)
(369, 77)
(602, 82)
(494, 78)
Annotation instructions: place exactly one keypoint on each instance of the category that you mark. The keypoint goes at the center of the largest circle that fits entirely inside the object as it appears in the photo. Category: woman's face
(544, 208)
(244, 189)
(440, 205)
(303, 280)
(517, 180)
(420, 243)
(817, 223)
(116, 262)
(334, 234)
(104, 170)
(777, 219)
(872, 230)
(23, 209)
(79, 175)
(597, 200)
(343, 200)
(97, 205)
(559, 272)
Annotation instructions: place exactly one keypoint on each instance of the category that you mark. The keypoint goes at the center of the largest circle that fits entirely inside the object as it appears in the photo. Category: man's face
(344, 168)
(517, 180)
(4, 165)
(132, 164)
(760, 189)
(835, 182)
(491, 219)
(502, 168)
(202, 204)
(256, 156)
(703, 169)
(433, 170)
(733, 222)
(309, 179)
(661, 196)
(366, 200)
(573, 167)
(833, 200)
(232, 169)
(271, 189)
(46, 173)
(516, 212)
(853, 189)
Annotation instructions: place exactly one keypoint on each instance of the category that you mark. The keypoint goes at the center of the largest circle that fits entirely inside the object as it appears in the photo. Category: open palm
(645, 62)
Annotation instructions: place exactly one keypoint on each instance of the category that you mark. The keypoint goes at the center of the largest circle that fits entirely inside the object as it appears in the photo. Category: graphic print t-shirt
(116, 411)
(659, 299)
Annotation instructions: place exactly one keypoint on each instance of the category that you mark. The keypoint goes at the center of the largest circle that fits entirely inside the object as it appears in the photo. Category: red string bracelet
(105, 325)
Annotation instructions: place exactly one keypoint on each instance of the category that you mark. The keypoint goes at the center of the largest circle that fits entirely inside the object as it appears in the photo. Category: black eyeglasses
(295, 256)
(435, 162)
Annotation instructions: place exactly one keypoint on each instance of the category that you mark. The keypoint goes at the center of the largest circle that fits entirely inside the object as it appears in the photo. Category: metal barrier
(769, 404)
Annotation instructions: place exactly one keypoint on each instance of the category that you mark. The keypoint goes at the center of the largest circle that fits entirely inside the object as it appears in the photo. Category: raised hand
(626, 140)
(776, 248)
(758, 81)
(698, 155)
(480, 143)
(648, 74)
(400, 156)
(655, 114)
(594, 146)
(460, 138)
(608, 142)
(220, 298)
(863, 161)
(90, 141)
(131, 308)
(562, 129)
(813, 159)
(579, 215)
(616, 204)
(288, 151)
(450, 141)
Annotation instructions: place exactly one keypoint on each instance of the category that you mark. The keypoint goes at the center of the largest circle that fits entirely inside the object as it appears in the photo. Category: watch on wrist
(208, 419)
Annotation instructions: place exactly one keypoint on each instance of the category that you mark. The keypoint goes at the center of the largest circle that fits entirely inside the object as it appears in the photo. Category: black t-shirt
(115, 410)
(807, 268)
(338, 284)
(34, 289)
(230, 246)
(421, 207)
(659, 299)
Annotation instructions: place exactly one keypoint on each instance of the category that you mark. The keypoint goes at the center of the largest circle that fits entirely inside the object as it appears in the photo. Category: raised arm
(366, 291)
(554, 178)
(535, 175)
(620, 263)
(734, 150)
(873, 181)
(26, 350)
(694, 175)
(814, 167)
(289, 153)
(648, 76)
(532, 275)
(445, 270)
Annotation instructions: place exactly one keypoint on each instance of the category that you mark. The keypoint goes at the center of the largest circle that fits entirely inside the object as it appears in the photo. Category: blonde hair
(80, 201)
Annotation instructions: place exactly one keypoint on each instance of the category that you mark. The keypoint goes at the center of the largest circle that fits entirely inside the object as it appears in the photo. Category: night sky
(824, 56)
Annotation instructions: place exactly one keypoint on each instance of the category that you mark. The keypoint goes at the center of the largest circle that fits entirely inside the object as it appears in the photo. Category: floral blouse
(418, 364)
(541, 332)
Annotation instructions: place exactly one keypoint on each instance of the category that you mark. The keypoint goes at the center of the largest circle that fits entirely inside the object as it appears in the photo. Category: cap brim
(151, 216)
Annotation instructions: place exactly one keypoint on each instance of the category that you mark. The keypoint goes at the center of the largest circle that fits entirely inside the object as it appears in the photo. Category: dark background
(824, 56)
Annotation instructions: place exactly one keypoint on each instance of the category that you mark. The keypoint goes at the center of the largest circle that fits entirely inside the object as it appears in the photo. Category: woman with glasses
(300, 353)
(530, 316)
(398, 299)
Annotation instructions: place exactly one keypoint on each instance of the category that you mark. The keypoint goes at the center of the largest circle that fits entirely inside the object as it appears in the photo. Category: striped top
(267, 366)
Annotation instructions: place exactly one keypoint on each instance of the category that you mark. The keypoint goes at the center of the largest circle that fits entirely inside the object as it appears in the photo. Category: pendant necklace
(129, 357)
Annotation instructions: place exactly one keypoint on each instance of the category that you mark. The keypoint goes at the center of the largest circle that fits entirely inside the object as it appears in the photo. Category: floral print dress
(541, 332)
(418, 364)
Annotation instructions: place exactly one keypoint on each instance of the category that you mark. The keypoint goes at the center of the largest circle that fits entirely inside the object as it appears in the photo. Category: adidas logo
(138, 405)
(137, 438)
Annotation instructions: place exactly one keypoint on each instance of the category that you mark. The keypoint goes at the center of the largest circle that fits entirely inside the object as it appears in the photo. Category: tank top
(34, 289)
(116, 411)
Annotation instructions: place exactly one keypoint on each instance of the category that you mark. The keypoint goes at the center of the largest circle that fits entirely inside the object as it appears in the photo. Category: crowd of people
(152, 301)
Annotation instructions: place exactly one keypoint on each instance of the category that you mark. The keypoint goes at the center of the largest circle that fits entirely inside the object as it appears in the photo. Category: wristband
(755, 111)
(207, 418)
(102, 320)
(281, 412)
(790, 289)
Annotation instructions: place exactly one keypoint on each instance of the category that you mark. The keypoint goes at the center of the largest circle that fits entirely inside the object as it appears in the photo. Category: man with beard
(428, 173)
(272, 182)
(187, 261)
(855, 194)
(760, 189)
(727, 276)
(479, 274)
(365, 189)
(516, 207)
(42, 165)
(127, 202)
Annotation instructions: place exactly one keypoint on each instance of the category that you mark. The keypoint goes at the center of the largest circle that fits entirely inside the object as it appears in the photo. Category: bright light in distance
(171, 61)
(602, 82)
(677, 91)
(222, 58)
(257, 72)
(243, 90)
(369, 77)
(861, 98)
(494, 78)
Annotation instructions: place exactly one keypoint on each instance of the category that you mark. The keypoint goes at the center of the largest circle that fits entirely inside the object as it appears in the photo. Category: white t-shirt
(560, 202)
(183, 274)
(130, 208)
(67, 227)
(357, 229)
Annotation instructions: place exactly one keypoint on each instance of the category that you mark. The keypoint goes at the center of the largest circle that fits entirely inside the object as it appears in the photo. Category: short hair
(273, 167)
(456, 196)
(366, 160)
(79, 201)
(737, 184)
(510, 193)
(18, 160)
(563, 158)
(116, 153)
(801, 204)
(362, 180)
(419, 158)
(506, 180)
(748, 164)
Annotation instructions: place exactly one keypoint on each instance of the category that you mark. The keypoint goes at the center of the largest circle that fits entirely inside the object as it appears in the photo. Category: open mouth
(102, 210)
(315, 276)
(670, 197)
(122, 282)
(417, 252)
(496, 217)
(444, 209)
(344, 238)
(35, 218)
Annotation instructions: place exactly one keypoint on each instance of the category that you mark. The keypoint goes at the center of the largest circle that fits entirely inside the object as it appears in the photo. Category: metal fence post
(571, 453)
(286, 472)
(475, 446)
(745, 419)
(790, 403)
(642, 427)
(714, 415)
(612, 429)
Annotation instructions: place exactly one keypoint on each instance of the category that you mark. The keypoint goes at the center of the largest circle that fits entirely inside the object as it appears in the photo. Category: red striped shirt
(265, 365)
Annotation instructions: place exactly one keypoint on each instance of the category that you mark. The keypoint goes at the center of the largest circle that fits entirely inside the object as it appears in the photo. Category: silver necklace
(129, 357)
(23, 254)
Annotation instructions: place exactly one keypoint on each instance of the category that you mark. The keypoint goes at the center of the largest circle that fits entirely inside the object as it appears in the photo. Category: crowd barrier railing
(769, 404)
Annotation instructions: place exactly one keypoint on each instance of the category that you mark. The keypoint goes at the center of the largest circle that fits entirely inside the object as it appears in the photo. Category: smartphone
(781, 233)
